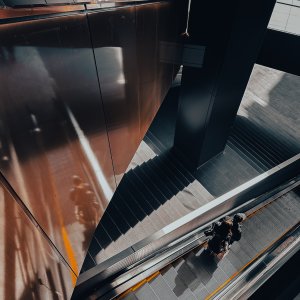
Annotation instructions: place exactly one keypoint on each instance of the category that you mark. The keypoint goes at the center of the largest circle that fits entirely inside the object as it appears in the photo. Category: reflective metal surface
(54, 145)
(8, 13)
(147, 53)
(133, 78)
(30, 268)
(114, 40)
(78, 92)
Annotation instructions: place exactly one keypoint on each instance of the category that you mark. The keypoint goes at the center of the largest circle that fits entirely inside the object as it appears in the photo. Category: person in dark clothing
(221, 233)
(224, 232)
(237, 227)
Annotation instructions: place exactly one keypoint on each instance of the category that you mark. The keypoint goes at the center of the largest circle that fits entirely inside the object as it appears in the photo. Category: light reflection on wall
(32, 270)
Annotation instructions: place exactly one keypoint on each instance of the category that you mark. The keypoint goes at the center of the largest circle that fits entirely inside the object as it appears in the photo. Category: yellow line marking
(151, 277)
(138, 285)
(71, 255)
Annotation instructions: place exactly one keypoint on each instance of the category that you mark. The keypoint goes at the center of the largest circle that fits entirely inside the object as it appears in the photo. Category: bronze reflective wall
(55, 150)
(77, 94)
(134, 78)
(114, 40)
(30, 268)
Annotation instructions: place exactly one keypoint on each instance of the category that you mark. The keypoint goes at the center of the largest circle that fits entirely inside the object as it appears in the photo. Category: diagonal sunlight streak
(90, 156)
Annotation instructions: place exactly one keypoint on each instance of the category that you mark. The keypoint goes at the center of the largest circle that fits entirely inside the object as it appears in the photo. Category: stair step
(151, 188)
(261, 148)
(102, 236)
(119, 219)
(119, 203)
(262, 140)
(284, 148)
(251, 152)
(248, 157)
(256, 150)
(137, 210)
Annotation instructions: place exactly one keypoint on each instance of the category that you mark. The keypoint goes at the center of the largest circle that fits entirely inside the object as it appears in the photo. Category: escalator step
(130, 296)
(176, 284)
(145, 292)
(161, 289)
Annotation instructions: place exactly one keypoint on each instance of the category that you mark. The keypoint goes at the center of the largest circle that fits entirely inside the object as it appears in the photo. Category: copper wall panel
(54, 145)
(30, 268)
(114, 40)
(147, 56)
(166, 35)
(67, 122)
(8, 13)
(159, 34)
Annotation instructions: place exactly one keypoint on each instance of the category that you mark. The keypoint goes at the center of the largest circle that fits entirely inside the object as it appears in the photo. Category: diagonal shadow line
(141, 192)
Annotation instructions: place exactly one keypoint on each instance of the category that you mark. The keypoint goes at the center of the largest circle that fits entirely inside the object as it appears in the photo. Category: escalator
(196, 275)
(172, 263)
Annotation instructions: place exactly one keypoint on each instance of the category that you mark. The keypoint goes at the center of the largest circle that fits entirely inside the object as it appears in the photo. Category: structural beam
(232, 33)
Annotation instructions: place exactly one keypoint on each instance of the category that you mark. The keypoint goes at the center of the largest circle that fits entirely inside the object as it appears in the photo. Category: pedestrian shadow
(201, 267)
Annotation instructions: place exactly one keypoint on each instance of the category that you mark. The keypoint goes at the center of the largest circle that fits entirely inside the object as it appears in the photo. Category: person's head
(225, 219)
(238, 218)
(76, 180)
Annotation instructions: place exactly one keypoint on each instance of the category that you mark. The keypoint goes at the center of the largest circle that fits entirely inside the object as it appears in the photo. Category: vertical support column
(232, 32)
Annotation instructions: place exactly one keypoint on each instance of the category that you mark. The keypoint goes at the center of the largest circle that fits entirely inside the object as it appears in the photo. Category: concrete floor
(272, 101)
(286, 16)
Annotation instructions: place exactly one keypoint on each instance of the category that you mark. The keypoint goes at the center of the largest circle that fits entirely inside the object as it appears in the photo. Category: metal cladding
(78, 93)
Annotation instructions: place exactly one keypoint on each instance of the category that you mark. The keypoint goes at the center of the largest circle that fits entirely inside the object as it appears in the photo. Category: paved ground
(286, 16)
(272, 101)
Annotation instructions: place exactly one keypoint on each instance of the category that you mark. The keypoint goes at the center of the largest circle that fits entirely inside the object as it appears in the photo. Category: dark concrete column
(232, 32)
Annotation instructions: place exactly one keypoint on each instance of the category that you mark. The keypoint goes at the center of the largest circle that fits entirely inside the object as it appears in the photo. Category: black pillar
(232, 32)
